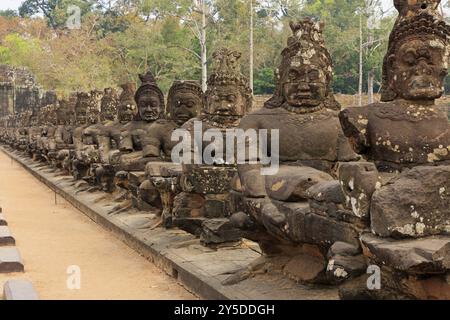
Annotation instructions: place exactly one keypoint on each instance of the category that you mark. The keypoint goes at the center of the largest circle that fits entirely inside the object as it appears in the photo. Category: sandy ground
(52, 238)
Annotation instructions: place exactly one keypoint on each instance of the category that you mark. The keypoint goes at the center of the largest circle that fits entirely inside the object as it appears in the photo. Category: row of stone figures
(356, 187)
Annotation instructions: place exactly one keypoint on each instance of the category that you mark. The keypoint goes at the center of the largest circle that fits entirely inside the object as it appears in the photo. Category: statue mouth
(184, 117)
(150, 115)
(421, 87)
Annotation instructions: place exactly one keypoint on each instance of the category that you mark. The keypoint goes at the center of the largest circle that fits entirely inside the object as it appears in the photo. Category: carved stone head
(229, 96)
(81, 108)
(65, 111)
(94, 106)
(305, 74)
(185, 101)
(149, 99)
(127, 109)
(109, 105)
(51, 114)
(416, 63)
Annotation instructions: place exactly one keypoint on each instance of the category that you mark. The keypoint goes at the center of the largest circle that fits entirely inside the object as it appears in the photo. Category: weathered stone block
(417, 204)
(327, 191)
(10, 260)
(306, 268)
(428, 255)
(326, 231)
(161, 169)
(136, 177)
(19, 289)
(191, 225)
(296, 222)
(208, 179)
(292, 182)
(6, 239)
(345, 261)
(358, 181)
(216, 231)
(188, 205)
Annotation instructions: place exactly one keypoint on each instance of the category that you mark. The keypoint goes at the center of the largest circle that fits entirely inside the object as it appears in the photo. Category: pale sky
(14, 4)
(10, 4)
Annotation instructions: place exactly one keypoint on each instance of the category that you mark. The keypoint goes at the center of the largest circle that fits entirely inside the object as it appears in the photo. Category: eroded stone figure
(296, 213)
(85, 117)
(64, 134)
(205, 197)
(184, 102)
(123, 109)
(133, 154)
(407, 137)
(150, 105)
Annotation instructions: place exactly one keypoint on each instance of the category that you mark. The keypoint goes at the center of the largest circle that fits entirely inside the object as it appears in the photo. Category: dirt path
(51, 238)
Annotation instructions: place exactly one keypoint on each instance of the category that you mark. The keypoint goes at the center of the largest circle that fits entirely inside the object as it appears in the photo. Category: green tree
(8, 13)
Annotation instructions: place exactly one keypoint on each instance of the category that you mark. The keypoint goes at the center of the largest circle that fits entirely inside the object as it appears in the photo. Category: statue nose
(423, 68)
(303, 86)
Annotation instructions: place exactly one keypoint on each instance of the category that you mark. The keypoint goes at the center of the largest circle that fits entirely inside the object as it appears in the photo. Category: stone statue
(133, 154)
(227, 100)
(86, 115)
(414, 69)
(184, 102)
(296, 212)
(150, 104)
(407, 136)
(62, 137)
(123, 109)
(109, 103)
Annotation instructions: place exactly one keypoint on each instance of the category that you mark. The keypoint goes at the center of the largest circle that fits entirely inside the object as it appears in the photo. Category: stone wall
(18, 90)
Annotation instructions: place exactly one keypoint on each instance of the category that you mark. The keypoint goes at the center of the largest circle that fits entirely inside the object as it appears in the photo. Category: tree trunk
(251, 45)
(370, 78)
(203, 48)
(360, 83)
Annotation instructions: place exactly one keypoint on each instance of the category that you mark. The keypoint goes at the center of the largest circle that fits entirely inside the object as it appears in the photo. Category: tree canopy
(120, 38)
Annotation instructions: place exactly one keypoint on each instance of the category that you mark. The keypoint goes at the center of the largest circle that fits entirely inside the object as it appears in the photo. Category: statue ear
(391, 61)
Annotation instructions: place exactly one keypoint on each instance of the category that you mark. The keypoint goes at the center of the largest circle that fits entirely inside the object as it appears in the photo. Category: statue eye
(313, 75)
(231, 98)
(410, 57)
(293, 74)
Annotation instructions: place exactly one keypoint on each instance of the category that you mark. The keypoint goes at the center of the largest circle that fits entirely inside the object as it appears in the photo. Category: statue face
(305, 86)
(93, 117)
(225, 101)
(185, 105)
(61, 120)
(126, 113)
(81, 117)
(149, 107)
(419, 69)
